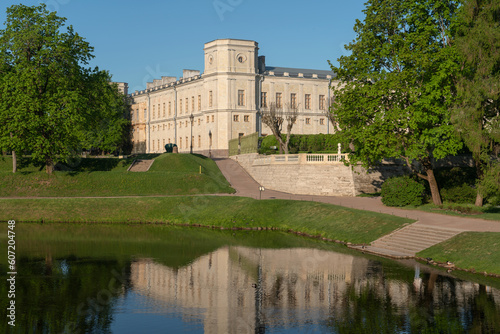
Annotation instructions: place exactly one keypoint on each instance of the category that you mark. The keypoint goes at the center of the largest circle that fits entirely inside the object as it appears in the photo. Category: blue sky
(138, 41)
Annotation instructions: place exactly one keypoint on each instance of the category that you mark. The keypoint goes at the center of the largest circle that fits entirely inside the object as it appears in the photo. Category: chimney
(262, 64)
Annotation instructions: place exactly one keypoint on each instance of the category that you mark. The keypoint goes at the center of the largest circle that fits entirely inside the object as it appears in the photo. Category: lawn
(170, 174)
(470, 250)
(328, 221)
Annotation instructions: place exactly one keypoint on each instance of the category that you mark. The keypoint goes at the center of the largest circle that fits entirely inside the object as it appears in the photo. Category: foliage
(305, 143)
(50, 104)
(459, 194)
(402, 191)
(476, 112)
(395, 89)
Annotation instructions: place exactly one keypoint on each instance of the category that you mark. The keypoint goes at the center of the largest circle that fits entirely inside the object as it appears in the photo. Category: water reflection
(245, 290)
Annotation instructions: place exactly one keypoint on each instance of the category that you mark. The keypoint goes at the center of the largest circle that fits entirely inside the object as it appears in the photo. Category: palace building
(202, 112)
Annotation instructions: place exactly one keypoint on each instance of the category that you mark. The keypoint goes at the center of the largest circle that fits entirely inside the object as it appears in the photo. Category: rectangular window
(322, 102)
(187, 144)
(263, 99)
(321, 121)
(308, 101)
(308, 121)
(153, 145)
(169, 109)
(180, 142)
(192, 103)
(279, 102)
(180, 106)
(153, 112)
(159, 110)
(293, 100)
(241, 97)
(199, 102)
(163, 109)
(213, 118)
(145, 114)
(187, 105)
(199, 141)
(208, 119)
(210, 99)
(199, 121)
(137, 115)
(246, 118)
(236, 118)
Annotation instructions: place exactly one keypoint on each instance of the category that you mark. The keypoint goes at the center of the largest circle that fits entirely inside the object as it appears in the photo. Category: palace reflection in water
(246, 290)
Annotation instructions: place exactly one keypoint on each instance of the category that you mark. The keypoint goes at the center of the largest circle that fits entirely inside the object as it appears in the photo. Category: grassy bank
(170, 174)
(329, 221)
(471, 250)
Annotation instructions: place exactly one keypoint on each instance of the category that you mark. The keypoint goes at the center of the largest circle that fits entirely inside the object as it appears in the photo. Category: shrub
(402, 191)
(459, 194)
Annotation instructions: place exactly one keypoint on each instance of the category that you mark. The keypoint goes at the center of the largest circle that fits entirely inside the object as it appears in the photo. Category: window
(158, 144)
(199, 121)
(236, 118)
(187, 144)
(308, 121)
(322, 102)
(153, 145)
(308, 101)
(187, 105)
(158, 110)
(263, 100)
(169, 109)
(137, 115)
(199, 141)
(145, 114)
(208, 119)
(210, 99)
(153, 112)
(213, 118)
(321, 121)
(246, 118)
(199, 102)
(163, 142)
(180, 142)
(293, 100)
(278, 100)
(241, 97)
(180, 106)
(192, 103)
(163, 109)
(169, 126)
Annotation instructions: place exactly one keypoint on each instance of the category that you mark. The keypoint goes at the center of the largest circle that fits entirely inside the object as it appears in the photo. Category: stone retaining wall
(315, 178)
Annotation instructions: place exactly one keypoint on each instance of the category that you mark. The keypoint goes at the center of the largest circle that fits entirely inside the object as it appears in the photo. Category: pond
(161, 279)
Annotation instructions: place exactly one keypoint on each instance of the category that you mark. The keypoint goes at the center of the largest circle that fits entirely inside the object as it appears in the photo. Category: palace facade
(202, 112)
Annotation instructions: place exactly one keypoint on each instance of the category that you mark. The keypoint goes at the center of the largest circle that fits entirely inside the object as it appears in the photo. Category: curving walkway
(246, 186)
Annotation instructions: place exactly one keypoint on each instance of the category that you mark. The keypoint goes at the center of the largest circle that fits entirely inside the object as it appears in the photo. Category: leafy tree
(396, 88)
(477, 111)
(48, 97)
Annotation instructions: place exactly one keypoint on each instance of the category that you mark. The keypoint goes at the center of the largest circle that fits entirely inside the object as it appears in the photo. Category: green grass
(313, 218)
(171, 174)
(462, 210)
(470, 250)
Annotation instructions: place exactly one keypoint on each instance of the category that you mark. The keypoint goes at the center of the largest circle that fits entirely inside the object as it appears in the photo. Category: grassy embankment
(169, 175)
(179, 175)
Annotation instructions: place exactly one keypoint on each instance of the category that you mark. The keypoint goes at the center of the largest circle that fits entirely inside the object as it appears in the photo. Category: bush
(459, 194)
(402, 191)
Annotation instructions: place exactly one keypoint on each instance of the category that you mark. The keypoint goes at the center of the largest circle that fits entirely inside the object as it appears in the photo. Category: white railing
(302, 158)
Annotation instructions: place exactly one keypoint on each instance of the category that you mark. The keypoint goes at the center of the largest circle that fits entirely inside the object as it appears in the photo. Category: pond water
(158, 279)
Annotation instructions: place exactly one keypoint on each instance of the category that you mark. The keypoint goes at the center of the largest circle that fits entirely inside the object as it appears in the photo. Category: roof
(293, 72)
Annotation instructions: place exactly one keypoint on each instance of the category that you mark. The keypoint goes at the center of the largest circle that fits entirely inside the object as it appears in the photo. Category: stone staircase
(140, 165)
(409, 240)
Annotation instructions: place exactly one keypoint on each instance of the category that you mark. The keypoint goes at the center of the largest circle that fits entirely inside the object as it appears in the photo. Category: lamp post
(191, 117)
(210, 143)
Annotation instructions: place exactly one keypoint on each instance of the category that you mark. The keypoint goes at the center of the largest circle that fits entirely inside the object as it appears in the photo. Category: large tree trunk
(429, 177)
(479, 173)
(49, 166)
(14, 162)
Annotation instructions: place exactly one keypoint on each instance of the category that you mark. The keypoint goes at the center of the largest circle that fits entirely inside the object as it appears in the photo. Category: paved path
(246, 186)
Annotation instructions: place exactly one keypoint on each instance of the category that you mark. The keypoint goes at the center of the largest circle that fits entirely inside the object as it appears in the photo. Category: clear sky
(138, 41)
